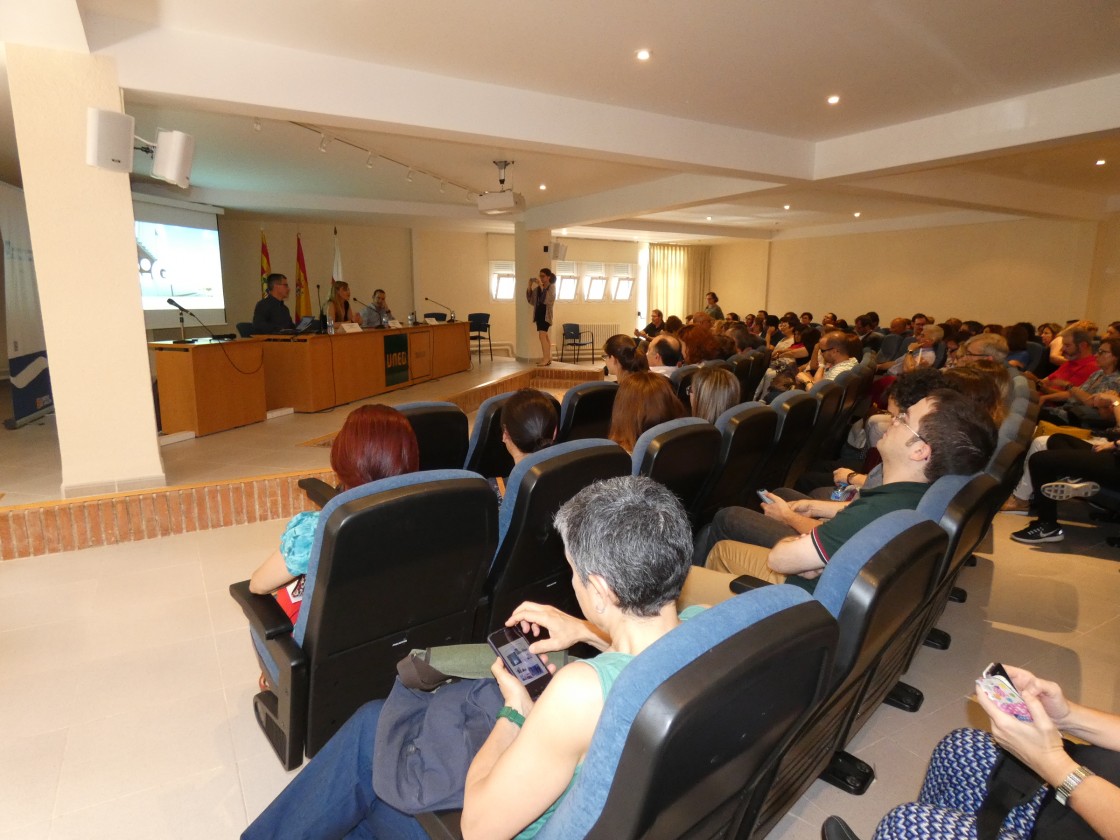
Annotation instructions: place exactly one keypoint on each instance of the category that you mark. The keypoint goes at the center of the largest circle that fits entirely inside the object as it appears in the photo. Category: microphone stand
(182, 329)
(319, 297)
(451, 320)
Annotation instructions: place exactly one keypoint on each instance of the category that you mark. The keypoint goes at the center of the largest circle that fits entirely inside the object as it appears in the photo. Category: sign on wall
(396, 359)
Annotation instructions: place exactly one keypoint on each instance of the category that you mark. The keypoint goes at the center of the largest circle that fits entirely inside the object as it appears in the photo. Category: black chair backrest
(797, 412)
(245, 329)
(479, 321)
(1035, 354)
(487, 454)
(386, 582)
(436, 316)
(571, 332)
(830, 397)
(586, 411)
(681, 379)
(699, 754)
(441, 431)
(747, 436)
(680, 454)
(529, 565)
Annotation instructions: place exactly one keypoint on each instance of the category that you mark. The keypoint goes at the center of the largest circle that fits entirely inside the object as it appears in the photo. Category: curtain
(679, 276)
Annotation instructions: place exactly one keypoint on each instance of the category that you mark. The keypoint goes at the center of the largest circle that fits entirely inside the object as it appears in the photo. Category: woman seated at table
(643, 401)
(338, 308)
(375, 442)
(629, 543)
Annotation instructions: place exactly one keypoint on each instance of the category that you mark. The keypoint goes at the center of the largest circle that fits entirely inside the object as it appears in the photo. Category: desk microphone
(182, 329)
(445, 306)
(319, 297)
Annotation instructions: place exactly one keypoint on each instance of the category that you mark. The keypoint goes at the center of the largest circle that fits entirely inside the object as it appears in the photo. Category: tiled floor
(128, 676)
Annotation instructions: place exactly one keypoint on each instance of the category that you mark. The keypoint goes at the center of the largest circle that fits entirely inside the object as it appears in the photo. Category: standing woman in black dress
(541, 294)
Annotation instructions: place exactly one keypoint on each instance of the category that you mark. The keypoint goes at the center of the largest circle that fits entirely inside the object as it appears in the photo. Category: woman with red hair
(375, 442)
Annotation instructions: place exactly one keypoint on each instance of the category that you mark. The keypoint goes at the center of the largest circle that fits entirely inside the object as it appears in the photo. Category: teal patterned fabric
(295, 542)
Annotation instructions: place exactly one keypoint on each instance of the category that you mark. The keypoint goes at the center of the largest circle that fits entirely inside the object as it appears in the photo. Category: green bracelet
(512, 715)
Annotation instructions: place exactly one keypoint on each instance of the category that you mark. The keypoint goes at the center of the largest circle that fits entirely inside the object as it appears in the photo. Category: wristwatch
(1076, 777)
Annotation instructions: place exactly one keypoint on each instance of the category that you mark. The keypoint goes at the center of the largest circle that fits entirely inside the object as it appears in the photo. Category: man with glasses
(1075, 406)
(270, 314)
(943, 434)
(838, 352)
(1080, 363)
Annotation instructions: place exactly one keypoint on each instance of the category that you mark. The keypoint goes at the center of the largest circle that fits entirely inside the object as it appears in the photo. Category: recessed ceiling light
(563, 231)
(786, 206)
(856, 214)
(642, 55)
(544, 187)
(324, 142)
(834, 99)
(709, 218)
(256, 125)
(409, 176)
(1101, 162)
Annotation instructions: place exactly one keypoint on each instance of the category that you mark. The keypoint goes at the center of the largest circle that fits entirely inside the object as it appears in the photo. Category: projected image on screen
(178, 262)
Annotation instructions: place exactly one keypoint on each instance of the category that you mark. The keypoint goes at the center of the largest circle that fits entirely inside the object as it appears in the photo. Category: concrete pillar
(530, 257)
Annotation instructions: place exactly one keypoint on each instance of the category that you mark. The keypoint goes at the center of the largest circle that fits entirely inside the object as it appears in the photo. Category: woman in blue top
(629, 543)
(375, 442)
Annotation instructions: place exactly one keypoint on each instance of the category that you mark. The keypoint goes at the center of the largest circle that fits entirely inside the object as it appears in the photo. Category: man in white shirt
(664, 354)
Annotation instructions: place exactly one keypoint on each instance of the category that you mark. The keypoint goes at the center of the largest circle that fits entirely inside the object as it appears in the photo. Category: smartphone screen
(513, 647)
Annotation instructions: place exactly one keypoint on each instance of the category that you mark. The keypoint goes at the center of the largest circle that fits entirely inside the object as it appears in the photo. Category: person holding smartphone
(629, 543)
(1085, 801)
(541, 294)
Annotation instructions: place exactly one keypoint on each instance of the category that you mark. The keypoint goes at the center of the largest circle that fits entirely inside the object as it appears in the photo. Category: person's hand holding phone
(1049, 693)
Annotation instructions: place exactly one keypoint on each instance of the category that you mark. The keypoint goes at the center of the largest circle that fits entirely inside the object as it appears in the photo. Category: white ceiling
(950, 112)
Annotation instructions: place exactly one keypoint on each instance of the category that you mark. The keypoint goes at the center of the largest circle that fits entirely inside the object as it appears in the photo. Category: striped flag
(302, 304)
(266, 265)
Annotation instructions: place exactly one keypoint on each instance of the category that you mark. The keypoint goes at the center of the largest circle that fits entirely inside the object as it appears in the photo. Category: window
(567, 280)
(622, 281)
(594, 281)
(503, 282)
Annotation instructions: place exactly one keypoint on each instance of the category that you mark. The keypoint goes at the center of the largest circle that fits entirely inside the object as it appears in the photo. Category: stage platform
(243, 475)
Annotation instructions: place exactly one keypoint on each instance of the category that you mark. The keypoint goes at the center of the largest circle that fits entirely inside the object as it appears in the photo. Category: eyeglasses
(901, 418)
(604, 357)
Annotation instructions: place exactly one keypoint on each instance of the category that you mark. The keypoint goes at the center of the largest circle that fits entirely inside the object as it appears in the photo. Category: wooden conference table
(210, 386)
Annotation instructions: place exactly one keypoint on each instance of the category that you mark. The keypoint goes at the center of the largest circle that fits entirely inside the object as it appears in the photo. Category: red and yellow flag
(266, 265)
(302, 304)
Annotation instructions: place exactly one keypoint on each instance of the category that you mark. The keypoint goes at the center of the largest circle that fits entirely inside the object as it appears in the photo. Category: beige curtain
(679, 276)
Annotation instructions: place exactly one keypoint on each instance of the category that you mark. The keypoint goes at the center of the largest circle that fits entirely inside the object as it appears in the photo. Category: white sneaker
(1070, 488)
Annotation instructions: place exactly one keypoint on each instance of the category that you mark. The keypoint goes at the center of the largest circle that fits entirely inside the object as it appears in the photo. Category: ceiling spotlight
(856, 214)
(709, 218)
(256, 125)
(1101, 162)
(369, 161)
(442, 187)
(324, 142)
(410, 176)
(544, 186)
(833, 100)
(786, 206)
(642, 55)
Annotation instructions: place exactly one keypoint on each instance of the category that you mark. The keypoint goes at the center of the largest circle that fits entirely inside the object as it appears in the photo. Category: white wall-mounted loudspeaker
(173, 158)
(109, 139)
(559, 250)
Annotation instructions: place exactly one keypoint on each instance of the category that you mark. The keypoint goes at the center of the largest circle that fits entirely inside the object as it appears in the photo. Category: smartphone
(511, 644)
(765, 496)
(995, 682)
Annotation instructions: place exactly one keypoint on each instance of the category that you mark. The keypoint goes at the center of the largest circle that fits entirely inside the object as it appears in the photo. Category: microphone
(182, 330)
(182, 309)
(319, 297)
(445, 306)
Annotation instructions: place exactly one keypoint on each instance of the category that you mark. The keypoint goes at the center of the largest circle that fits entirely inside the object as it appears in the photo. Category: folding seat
(749, 371)
(680, 454)
(688, 736)
(529, 564)
(892, 346)
(369, 598)
(830, 397)
(872, 585)
(585, 411)
(486, 454)
(681, 379)
(747, 435)
(797, 412)
(1035, 354)
(441, 431)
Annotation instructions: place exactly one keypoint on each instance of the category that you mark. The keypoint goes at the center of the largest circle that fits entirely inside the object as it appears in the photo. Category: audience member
(664, 354)
(699, 345)
(654, 327)
(529, 422)
(270, 315)
(1080, 362)
(375, 442)
(980, 386)
(836, 355)
(622, 357)
(712, 391)
(711, 306)
(627, 540)
(961, 770)
(1075, 406)
(1017, 354)
(673, 325)
(942, 434)
(643, 400)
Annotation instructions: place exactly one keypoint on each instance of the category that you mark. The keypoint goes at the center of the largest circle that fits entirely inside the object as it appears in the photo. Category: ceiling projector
(499, 203)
